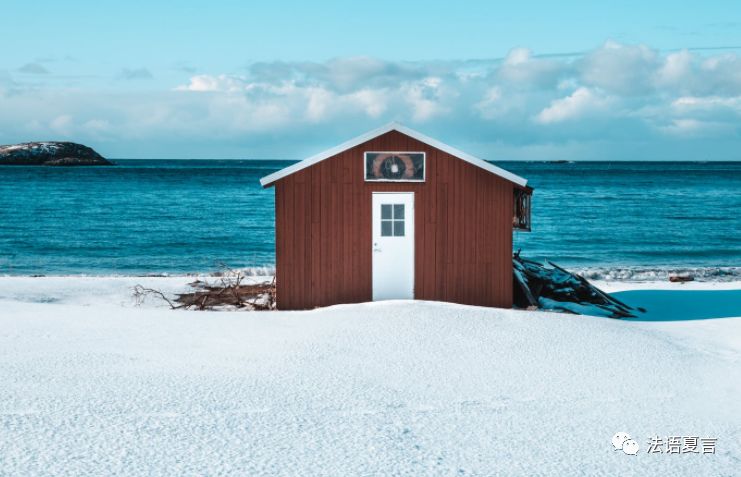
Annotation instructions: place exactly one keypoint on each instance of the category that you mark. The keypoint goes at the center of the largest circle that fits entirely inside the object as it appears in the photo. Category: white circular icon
(630, 447)
(618, 439)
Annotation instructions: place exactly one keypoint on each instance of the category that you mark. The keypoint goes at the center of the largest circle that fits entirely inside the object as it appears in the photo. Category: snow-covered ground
(92, 385)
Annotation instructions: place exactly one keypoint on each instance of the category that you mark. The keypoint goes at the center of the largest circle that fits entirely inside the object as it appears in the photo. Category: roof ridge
(392, 126)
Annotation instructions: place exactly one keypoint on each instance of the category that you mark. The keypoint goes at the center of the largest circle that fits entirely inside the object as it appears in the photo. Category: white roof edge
(393, 126)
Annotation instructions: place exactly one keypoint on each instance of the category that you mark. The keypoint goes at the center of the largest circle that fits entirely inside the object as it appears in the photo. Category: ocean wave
(608, 273)
(249, 272)
(650, 274)
(265, 271)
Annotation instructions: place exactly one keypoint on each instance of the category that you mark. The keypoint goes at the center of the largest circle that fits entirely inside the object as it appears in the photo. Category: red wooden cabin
(394, 214)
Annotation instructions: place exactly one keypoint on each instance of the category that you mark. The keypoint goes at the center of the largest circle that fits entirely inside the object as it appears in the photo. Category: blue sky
(521, 80)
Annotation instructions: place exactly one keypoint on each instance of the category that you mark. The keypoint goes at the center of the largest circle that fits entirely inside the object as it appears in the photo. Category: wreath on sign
(393, 166)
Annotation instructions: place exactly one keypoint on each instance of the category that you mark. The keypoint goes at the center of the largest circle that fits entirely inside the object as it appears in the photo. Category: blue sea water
(615, 219)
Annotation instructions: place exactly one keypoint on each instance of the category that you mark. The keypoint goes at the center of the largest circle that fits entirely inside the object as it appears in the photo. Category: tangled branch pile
(553, 288)
(228, 292)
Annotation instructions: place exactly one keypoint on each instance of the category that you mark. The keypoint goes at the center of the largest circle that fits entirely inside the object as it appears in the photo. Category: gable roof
(393, 126)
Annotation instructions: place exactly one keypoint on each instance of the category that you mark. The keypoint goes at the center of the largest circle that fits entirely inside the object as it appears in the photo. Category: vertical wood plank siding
(463, 236)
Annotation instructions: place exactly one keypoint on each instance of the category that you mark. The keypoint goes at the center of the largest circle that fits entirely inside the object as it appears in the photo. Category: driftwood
(536, 287)
(554, 288)
(228, 292)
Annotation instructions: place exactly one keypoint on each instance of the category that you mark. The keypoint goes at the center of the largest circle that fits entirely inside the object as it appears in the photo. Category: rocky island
(50, 153)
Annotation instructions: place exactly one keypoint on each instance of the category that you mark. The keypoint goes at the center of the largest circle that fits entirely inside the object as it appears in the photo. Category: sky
(505, 81)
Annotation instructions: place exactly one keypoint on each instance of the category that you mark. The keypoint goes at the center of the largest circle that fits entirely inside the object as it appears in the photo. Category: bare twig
(141, 293)
(229, 290)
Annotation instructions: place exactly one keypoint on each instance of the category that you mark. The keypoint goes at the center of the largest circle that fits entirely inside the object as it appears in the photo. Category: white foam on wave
(264, 271)
(652, 274)
(606, 273)
(253, 271)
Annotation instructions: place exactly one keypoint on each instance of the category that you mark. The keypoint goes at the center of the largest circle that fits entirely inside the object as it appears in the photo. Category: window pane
(386, 228)
(398, 211)
(398, 228)
(385, 211)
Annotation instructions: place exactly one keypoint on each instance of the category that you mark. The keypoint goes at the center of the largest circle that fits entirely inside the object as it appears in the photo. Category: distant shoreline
(534, 161)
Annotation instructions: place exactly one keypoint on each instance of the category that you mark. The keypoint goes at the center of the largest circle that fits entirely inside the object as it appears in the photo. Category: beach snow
(393, 388)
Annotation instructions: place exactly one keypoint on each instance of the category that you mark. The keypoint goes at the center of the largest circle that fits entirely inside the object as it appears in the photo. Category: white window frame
(424, 166)
(394, 219)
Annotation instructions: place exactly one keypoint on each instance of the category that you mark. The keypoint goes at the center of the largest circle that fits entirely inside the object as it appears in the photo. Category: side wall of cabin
(463, 236)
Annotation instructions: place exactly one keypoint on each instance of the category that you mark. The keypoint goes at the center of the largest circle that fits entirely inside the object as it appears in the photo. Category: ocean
(615, 220)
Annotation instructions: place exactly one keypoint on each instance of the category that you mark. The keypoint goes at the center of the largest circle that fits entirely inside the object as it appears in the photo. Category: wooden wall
(463, 236)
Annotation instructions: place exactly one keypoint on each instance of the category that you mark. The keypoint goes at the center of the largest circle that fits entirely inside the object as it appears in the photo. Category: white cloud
(620, 93)
(61, 125)
(96, 126)
(208, 83)
(689, 127)
(425, 98)
(622, 69)
(319, 101)
(675, 70)
(722, 74)
(518, 56)
(580, 103)
(491, 105)
(316, 100)
(686, 103)
(372, 102)
(344, 75)
(521, 70)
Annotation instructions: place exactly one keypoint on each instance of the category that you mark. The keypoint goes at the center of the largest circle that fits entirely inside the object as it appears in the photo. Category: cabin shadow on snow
(683, 305)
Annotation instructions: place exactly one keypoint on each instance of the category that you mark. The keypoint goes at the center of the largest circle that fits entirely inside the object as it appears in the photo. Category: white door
(393, 245)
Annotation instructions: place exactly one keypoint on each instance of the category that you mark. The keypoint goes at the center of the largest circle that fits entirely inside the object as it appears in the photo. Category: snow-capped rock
(51, 154)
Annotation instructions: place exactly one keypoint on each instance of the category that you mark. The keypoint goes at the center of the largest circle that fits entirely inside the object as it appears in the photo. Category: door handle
(376, 249)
